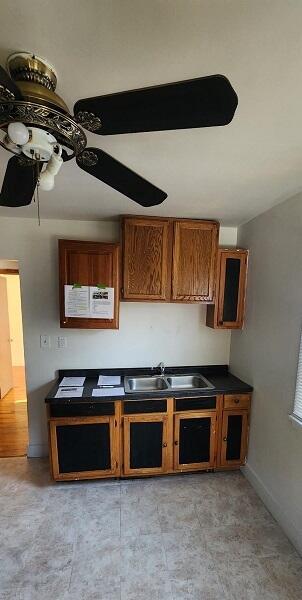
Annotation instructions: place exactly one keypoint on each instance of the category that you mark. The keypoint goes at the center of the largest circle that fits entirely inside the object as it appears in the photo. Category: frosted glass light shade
(18, 133)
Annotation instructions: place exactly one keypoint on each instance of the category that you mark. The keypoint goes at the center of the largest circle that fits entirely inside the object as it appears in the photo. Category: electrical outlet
(44, 341)
(61, 341)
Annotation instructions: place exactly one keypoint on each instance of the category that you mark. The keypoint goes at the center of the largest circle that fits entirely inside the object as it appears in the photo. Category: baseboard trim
(37, 451)
(274, 507)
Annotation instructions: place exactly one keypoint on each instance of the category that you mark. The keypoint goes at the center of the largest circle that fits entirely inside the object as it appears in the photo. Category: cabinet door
(232, 288)
(146, 259)
(194, 443)
(194, 259)
(234, 437)
(89, 263)
(145, 444)
(83, 448)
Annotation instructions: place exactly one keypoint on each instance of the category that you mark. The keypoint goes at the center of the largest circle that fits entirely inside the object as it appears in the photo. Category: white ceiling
(100, 46)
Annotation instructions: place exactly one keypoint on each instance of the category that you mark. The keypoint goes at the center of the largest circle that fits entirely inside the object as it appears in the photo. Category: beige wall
(149, 332)
(265, 354)
(15, 319)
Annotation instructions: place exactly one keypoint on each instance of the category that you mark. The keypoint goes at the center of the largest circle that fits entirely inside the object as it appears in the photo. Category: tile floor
(189, 537)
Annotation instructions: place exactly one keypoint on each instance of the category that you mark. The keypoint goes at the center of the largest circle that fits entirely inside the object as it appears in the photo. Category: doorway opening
(13, 397)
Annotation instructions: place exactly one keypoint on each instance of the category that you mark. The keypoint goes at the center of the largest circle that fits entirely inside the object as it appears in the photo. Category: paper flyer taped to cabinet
(76, 301)
(101, 302)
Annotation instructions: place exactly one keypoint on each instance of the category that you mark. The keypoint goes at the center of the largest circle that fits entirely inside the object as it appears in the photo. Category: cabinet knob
(176, 443)
(165, 445)
(225, 439)
(236, 400)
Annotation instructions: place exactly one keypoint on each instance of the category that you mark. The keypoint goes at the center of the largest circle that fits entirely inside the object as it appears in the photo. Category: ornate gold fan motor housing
(40, 106)
(36, 79)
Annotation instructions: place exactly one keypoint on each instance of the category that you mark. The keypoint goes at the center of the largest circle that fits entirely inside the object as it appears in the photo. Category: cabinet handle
(225, 439)
(176, 443)
(165, 445)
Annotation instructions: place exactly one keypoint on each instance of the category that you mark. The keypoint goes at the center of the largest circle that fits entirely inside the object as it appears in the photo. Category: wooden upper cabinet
(89, 263)
(228, 310)
(195, 245)
(146, 245)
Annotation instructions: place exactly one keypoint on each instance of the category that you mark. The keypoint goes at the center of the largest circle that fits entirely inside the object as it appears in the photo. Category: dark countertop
(218, 375)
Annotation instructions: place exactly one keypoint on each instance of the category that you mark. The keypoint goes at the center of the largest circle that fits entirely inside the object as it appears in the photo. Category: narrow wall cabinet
(169, 260)
(194, 441)
(229, 307)
(89, 264)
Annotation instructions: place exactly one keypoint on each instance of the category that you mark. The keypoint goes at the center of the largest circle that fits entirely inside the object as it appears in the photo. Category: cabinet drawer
(237, 401)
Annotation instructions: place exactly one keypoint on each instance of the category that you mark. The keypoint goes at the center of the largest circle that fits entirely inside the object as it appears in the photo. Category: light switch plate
(44, 341)
(61, 341)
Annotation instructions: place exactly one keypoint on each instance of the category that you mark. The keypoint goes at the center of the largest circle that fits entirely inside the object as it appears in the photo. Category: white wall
(15, 319)
(149, 333)
(265, 354)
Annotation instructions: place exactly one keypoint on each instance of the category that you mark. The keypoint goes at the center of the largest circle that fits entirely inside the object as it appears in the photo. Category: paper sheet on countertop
(109, 380)
(115, 391)
(69, 392)
(72, 381)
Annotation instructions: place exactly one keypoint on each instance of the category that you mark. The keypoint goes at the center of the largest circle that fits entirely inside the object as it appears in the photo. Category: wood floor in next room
(13, 418)
(189, 537)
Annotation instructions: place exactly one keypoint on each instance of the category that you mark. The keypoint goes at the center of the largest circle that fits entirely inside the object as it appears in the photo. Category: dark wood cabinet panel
(146, 258)
(229, 307)
(83, 447)
(234, 438)
(195, 246)
(89, 263)
(194, 443)
(145, 444)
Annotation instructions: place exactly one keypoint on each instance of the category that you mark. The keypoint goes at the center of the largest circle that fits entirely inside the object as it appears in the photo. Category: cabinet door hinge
(115, 423)
(116, 465)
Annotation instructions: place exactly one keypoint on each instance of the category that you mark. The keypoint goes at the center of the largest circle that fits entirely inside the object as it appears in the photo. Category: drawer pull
(225, 439)
(165, 445)
(236, 400)
(176, 443)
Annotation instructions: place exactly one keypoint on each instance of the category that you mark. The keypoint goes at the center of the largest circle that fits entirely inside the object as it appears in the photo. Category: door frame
(145, 418)
(200, 465)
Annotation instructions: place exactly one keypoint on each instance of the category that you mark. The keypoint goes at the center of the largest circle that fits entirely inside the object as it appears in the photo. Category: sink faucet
(162, 368)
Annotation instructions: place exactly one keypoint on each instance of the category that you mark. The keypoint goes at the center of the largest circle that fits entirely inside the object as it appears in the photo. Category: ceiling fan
(38, 129)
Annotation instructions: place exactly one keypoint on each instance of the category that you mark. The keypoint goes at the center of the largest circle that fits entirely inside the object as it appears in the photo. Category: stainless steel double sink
(158, 383)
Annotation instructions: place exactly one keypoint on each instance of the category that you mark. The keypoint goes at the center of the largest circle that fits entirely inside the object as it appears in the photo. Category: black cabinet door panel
(231, 289)
(234, 437)
(194, 440)
(146, 441)
(83, 447)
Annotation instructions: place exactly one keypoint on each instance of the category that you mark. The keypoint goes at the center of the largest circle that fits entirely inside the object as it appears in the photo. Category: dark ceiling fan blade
(8, 89)
(109, 170)
(203, 102)
(19, 182)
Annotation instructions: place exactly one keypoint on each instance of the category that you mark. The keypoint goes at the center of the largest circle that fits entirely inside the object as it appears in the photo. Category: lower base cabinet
(194, 443)
(145, 444)
(159, 436)
(84, 447)
(234, 437)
